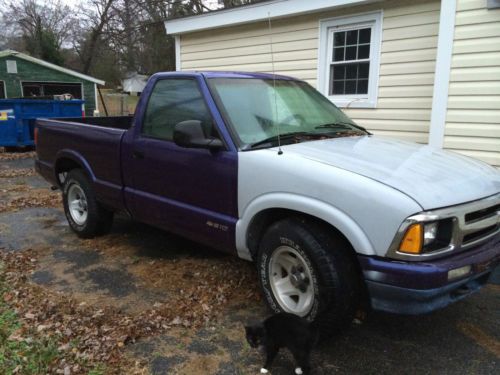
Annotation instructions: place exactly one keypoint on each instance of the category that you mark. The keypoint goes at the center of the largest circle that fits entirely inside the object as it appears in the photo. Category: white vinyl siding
(473, 116)
(407, 59)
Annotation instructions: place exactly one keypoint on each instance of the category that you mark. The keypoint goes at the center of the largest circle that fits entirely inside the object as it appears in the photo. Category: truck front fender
(306, 205)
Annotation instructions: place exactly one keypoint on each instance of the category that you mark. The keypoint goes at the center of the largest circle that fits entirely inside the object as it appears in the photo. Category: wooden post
(102, 100)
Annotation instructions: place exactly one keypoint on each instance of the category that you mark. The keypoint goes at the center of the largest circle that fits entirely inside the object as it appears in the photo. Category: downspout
(442, 72)
(177, 52)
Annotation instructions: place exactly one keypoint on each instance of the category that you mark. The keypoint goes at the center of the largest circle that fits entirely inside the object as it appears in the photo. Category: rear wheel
(86, 217)
(307, 271)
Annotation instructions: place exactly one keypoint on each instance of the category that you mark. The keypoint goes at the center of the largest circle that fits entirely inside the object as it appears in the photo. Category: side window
(173, 101)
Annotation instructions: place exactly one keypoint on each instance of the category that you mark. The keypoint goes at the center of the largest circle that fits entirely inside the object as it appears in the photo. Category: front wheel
(86, 217)
(306, 271)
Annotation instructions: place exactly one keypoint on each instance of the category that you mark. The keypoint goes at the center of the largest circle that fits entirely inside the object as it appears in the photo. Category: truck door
(187, 191)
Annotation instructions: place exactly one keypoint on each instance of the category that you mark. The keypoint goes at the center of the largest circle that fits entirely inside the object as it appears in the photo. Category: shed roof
(34, 60)
(254, 12)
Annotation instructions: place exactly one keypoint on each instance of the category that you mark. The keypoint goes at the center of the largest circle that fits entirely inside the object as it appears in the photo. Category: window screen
(173, 101)
(350, 61)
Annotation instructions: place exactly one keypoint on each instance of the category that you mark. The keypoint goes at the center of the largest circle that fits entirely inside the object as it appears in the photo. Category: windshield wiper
(274, 138)
(341, 125)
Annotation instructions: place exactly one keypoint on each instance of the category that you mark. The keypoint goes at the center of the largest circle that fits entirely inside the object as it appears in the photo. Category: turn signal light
(413, 239)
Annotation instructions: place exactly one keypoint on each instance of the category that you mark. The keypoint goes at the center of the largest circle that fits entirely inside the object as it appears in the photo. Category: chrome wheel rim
(77, 204)
(291, 281)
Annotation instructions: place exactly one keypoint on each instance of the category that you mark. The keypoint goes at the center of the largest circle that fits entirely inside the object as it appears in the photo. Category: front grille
(479, 234)
(479, 222)
(482, 214)
(461, 228)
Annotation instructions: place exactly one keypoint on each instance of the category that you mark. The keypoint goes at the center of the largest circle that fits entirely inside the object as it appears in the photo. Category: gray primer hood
(432, 177)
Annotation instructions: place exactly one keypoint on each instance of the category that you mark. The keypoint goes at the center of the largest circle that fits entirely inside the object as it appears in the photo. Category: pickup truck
(265, 167)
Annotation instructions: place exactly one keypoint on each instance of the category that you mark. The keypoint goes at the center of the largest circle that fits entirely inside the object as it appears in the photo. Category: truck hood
(432, 177)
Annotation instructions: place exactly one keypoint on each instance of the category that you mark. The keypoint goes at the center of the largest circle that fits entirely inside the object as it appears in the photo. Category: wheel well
(65, 165)
(264, 219)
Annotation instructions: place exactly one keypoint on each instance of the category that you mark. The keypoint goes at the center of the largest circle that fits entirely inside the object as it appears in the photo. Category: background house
(425, 71)
(134, 83)
(25, 76)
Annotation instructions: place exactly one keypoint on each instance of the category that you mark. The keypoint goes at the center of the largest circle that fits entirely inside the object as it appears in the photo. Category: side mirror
(190, 134)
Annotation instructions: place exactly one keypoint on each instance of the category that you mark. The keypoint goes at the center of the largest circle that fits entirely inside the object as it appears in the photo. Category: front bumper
(421, 287)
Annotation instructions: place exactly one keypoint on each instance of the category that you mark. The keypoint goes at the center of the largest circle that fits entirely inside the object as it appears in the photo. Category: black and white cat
(284, 330)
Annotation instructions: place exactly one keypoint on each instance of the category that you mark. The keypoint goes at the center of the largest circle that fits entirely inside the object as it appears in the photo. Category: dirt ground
(144, 301)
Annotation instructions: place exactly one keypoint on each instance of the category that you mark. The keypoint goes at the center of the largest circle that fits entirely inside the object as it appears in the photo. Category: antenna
(280, 152)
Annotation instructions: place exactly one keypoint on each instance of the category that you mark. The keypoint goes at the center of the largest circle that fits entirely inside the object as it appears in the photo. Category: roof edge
(254, 12)
(50, 65)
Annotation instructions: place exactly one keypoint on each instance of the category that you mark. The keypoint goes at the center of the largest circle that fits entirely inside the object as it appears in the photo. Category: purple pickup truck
(268, 169)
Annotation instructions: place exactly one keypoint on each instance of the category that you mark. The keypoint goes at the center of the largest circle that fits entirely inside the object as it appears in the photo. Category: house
(134, 83)
(425, 71)
(23, 76)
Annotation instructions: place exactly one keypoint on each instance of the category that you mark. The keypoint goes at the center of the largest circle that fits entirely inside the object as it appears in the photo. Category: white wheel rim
(291, 281)
(77, 204)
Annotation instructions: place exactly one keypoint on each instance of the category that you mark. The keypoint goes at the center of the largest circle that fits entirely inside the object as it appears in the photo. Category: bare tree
(105, 38)
(39, 28)
(93, 30)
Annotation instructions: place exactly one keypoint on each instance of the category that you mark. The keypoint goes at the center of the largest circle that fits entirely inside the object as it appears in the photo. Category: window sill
(353, 102)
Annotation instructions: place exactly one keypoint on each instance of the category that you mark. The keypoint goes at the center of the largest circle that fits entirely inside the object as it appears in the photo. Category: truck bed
(91, 141)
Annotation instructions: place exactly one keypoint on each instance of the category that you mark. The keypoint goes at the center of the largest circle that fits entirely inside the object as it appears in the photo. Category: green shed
(23, 76)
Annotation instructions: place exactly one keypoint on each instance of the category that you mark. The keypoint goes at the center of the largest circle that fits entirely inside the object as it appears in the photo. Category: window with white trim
(11, 66)
(349, 58)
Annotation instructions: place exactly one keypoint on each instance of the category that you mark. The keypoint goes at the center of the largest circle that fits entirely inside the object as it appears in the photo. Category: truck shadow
(151, 242)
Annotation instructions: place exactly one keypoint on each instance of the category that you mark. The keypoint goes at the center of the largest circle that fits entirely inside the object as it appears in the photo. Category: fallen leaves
(31, 198)
(87, 334)
(17, 172)
(78, 330)
(17, 155)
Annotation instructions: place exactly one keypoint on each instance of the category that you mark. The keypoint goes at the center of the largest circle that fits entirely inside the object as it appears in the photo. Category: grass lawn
(24, 349)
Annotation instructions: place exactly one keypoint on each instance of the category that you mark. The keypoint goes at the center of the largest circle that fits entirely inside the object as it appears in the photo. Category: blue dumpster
(17, 117)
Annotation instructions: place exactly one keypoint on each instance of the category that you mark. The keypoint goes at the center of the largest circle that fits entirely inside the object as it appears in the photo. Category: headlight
(427, 237)
(430, 232)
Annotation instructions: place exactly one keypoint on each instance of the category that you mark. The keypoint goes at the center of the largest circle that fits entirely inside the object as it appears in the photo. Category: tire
(86, 217)
(305, 270)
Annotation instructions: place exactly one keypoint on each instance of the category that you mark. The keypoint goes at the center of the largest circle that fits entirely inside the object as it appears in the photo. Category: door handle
(138, 154)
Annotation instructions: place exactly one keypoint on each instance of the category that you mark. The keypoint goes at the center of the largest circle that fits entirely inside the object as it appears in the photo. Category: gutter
(254, 13)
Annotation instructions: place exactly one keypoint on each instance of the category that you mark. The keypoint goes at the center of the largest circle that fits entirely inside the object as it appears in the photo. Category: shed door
(49, 89)
(2, 90)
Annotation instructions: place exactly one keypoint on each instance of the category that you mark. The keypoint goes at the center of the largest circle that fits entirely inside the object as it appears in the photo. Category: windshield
(256, 108)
